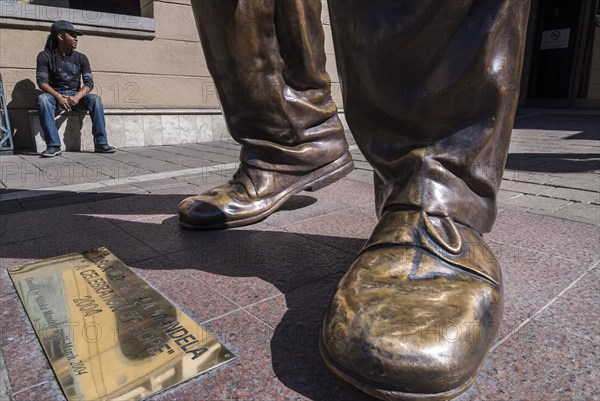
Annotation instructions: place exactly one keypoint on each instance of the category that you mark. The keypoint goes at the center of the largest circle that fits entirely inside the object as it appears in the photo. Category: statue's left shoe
(416, 314)
(253, 194)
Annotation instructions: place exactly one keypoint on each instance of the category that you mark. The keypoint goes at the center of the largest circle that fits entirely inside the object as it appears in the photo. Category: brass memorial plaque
(107, 333)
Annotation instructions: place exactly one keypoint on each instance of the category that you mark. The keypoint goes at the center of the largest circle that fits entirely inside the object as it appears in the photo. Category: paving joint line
(583, 337)
(193, 277)
(259, 320)
(566, 206)
(355, 254)
(111, 182)
(566, 200)
(554, 214)
(543, 308)
(264, 300)
(545, 253)
(7, 296)
(259, 302)
(32, 387)
(549, 185)
(212, 319)
(116, 181)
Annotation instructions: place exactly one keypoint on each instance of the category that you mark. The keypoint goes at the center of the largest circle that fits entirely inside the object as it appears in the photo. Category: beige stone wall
(167, 72)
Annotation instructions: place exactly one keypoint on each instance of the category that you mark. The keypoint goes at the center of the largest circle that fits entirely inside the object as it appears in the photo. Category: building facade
(150, 71)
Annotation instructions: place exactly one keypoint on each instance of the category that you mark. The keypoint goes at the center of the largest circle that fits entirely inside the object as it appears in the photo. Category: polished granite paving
(263, 290)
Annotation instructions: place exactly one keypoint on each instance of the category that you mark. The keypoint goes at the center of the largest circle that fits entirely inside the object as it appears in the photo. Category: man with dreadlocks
(58, 73)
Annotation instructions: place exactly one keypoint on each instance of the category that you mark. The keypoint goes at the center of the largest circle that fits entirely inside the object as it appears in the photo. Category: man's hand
(84, 91)
(63, 101)
(73, 100)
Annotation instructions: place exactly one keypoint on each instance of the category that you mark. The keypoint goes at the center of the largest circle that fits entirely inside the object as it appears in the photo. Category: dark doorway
(563, 35)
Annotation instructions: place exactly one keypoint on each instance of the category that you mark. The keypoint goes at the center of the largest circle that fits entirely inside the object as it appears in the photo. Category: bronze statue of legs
(430, 92)
(268, 64)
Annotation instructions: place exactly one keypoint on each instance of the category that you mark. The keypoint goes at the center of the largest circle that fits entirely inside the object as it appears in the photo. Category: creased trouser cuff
(267, 60)
(430, 93)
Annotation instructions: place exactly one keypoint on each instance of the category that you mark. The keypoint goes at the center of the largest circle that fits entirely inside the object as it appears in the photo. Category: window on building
(124, 7)
(125, 18)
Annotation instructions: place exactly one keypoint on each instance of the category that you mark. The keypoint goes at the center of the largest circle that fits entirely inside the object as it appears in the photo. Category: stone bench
(135, 128)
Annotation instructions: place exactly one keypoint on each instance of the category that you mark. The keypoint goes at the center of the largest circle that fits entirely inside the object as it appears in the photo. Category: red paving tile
(577, 311)
(531, 280)
(180, 287)
(347, 230)
(551, 235)
(48, 391)
(541, 362)
(25, 360)
(249, 266)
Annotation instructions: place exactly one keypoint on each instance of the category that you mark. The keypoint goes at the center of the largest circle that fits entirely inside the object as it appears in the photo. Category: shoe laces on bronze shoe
(254, 194)
(416, 314)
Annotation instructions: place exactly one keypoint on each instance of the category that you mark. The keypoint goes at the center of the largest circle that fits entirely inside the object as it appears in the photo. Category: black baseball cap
(62, 25)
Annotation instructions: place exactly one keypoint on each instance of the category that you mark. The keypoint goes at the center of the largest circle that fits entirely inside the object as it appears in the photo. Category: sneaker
(51, 151)
(104, 148)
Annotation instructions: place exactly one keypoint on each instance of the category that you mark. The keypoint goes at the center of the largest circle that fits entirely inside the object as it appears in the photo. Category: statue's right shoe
(416, 315)
(252, 195)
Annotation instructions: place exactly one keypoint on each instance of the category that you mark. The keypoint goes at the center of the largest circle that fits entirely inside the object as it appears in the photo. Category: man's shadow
(23, 98)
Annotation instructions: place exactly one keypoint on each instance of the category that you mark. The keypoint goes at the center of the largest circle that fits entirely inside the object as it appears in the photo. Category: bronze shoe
(416, 314)
(253, 194)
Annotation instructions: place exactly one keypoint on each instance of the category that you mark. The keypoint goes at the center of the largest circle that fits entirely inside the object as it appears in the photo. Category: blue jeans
(47, 107)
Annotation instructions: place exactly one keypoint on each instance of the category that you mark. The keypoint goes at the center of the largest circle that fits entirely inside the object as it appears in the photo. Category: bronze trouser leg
(268, 63)
(267, 59)
(430, 93)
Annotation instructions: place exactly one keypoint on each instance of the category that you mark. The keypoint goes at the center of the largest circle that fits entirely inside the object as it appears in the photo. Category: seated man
(58, 73)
